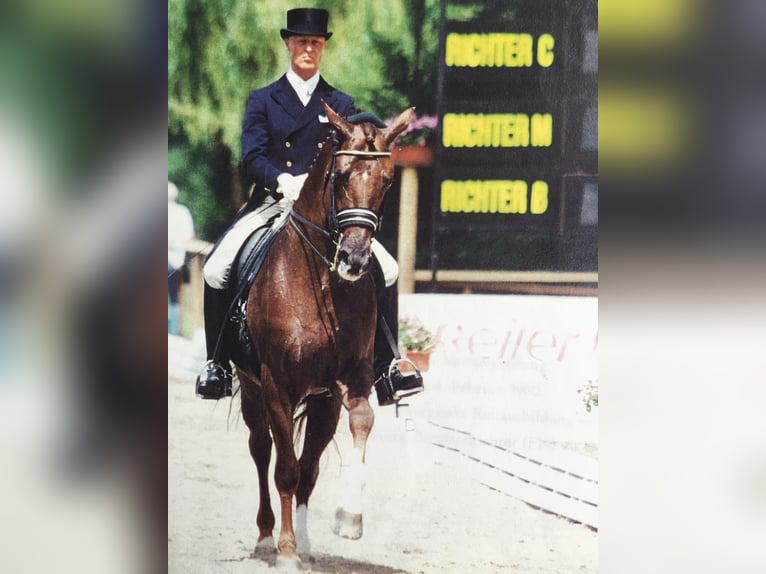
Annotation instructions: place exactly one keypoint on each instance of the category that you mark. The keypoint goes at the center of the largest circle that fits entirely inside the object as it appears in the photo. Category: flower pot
(420, 359)
(413, 155)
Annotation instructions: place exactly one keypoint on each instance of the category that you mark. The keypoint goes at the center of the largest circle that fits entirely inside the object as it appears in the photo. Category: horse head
(363, 172)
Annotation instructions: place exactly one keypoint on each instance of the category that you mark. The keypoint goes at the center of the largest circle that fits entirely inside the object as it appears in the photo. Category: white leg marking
(302, 530)
(266, 546)
(353, 480)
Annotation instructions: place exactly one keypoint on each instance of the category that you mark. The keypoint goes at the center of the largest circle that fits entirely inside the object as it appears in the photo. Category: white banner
(513, 366)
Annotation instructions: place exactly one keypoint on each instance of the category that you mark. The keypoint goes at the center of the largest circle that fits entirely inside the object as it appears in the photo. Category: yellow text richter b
(494, 196)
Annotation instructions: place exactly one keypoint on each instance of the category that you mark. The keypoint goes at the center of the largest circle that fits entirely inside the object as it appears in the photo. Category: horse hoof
(347, 524)
(288, 563)
(302, 546)
(265, 546)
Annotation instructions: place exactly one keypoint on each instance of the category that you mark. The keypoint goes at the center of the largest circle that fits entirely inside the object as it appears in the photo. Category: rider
(283, 129)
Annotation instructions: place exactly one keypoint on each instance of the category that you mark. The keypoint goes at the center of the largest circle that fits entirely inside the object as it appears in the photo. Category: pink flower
(420, 130)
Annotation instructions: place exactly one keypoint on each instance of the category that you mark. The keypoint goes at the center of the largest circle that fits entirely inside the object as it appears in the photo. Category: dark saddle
(243, 272)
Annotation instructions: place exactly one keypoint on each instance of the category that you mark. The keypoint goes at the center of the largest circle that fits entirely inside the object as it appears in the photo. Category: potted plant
(414, 147)
(589, 395)
(416, 342)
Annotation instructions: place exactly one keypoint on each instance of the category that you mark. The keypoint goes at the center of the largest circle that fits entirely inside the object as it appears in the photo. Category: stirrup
(407, 384)
(392, 385)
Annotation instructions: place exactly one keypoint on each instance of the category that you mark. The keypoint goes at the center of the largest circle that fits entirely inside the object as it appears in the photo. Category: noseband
(359, 216)
(338, 221)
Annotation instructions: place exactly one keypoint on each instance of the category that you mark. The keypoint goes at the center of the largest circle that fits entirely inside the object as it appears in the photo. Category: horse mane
(322, 158)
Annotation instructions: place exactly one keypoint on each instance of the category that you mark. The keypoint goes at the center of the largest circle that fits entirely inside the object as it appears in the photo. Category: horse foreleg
(260, 450)
(322, 414)
(286, 471)
(348, 516)
(260, 443)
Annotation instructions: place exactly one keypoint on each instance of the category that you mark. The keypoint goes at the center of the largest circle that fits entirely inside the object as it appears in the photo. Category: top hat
(306, 22)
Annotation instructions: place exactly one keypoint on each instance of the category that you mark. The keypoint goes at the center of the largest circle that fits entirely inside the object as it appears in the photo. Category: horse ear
(344, 127)
(400, 124)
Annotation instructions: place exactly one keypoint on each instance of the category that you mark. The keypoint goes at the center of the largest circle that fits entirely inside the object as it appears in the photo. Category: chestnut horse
(311, 313)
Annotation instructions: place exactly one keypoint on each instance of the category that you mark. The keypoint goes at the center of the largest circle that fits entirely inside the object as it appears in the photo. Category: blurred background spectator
(180, 231)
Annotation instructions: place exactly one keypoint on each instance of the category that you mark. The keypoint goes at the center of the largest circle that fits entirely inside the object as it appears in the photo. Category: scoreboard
(517, 107)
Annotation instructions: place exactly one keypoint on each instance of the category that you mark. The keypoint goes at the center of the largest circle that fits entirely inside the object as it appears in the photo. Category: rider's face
(305, 54)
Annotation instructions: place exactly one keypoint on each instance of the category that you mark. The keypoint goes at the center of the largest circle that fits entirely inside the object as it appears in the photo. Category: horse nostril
(361, 263)
(343, 256)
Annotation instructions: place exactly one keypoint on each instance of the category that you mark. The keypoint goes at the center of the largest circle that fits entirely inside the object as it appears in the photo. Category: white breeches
(218, 266)
(387, 263)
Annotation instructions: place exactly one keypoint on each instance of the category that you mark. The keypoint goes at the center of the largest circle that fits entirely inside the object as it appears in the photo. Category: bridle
(338, 221)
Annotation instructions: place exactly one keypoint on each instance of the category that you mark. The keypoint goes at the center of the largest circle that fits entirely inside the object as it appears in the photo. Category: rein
(324, 232)
(340, 220)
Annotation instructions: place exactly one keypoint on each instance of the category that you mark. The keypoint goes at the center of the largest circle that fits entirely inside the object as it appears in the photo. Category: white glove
(290, 185)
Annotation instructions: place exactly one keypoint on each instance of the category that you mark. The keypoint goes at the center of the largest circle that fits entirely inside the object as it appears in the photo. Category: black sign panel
(516, 113)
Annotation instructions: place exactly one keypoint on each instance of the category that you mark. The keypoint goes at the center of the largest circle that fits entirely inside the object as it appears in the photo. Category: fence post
(191, 293)
(408, 229)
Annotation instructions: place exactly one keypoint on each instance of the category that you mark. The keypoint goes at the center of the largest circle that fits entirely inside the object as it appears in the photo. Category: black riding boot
(391, 385)
(215, 380)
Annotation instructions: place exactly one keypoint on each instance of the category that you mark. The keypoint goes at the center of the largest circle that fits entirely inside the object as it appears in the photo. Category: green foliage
(589, 395)
(463, 12)
(215, 52)
(190, 169)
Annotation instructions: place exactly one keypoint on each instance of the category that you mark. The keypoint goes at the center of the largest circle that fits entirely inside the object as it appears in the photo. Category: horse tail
(299, 421)
(237, 386)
